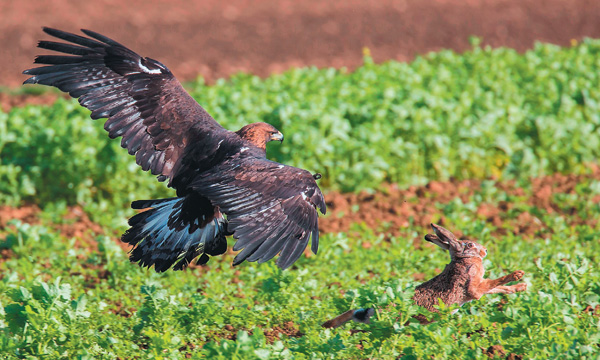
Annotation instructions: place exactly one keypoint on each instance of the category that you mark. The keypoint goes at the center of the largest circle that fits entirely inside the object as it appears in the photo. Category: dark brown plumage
(269, 208)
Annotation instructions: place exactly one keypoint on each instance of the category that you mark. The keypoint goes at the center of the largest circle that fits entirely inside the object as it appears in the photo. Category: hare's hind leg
(508, 289)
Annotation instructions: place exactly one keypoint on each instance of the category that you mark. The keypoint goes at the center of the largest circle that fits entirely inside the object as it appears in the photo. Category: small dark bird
(269, 208)
(360, 315)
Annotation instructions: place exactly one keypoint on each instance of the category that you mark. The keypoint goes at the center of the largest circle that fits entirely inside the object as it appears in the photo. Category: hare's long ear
(443, 238)
(436, 240)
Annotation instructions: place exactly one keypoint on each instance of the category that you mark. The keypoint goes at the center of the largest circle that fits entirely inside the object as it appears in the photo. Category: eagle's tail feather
(164, 235)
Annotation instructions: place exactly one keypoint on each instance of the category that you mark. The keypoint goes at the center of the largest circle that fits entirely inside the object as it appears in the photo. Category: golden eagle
(270, 208)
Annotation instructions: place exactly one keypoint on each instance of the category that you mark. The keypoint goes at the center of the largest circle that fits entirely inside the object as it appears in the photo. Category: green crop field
(479, 115)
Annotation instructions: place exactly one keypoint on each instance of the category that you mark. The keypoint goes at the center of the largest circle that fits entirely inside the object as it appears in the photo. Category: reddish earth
(594, 311)
(497, 351)
(8, 101)
(388, 211)
(218, 38)
(273, 334)
(75, 223)
(26, 214)
(120, 310)
(391, 210)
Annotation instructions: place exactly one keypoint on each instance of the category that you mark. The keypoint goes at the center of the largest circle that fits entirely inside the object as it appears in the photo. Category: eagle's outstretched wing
(271, 208)
(143, 101)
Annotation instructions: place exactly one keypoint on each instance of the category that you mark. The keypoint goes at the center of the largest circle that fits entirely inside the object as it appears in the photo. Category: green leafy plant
(485, 113)
(64, 301)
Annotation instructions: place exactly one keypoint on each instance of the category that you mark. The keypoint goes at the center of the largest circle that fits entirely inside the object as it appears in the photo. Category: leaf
(16, 317)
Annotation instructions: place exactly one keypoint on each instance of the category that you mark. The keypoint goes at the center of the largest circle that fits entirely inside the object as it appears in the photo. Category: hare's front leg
(487, 286)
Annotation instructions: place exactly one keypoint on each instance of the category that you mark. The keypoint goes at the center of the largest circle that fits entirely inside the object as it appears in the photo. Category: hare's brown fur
(460, 282)
(462, 279)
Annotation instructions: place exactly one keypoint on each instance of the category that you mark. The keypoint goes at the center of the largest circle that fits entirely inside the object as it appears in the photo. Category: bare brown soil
(288, 329)
(391, 210)
(273, 334)
(498, 352)
(76, 223)
(8, 101)
(218, 38)
(593, 311)
(27, 214)
(388, 211)
(6, 254)
(495, 351)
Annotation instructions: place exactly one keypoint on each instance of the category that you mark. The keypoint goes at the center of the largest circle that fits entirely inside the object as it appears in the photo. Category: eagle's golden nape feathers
(259, 134)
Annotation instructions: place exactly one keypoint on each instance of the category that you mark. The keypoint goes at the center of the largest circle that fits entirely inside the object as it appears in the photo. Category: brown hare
(460, 282)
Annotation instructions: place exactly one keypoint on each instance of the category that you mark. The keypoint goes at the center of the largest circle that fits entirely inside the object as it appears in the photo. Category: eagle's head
(259, 134)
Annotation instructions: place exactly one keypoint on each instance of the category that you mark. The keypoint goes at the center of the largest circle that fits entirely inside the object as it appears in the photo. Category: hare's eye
(469, 245)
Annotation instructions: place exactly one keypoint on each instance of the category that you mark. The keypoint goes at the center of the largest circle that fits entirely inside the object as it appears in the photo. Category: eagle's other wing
(271, 208)
(143, 101)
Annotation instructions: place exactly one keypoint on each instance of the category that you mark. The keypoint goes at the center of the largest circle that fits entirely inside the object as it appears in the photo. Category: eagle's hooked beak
(278, 136)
